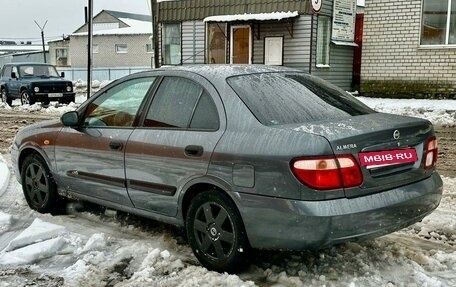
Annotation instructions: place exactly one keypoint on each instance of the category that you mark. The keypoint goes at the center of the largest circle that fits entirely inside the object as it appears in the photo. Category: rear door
(90, 160)
(174, 145)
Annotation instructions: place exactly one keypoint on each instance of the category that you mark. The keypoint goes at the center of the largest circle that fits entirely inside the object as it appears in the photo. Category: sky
(64, 16)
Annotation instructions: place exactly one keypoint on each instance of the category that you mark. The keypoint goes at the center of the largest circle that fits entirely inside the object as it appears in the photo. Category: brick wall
(391, 47)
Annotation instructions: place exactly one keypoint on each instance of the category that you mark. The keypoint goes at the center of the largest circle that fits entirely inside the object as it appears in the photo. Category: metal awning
(277, 16)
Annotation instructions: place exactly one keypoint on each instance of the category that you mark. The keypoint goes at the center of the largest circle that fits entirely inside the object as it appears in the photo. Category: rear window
(287, 98)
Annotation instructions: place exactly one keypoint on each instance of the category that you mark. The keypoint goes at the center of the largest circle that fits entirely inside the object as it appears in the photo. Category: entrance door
(241, 45)
(358, 51)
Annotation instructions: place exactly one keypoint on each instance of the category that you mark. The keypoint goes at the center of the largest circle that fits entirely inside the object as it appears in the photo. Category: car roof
(215, 71)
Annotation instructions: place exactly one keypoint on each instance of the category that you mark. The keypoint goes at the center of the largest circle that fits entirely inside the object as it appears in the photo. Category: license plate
(55, 95)
(388, 157)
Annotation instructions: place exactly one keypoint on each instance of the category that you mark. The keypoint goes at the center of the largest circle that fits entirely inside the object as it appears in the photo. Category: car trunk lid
(377, 134)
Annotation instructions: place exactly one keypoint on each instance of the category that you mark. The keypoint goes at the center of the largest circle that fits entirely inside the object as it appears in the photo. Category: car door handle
(115, 145)
(194, 150)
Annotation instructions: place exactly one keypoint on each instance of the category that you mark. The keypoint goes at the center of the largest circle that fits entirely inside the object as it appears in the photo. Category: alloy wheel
(36, 185)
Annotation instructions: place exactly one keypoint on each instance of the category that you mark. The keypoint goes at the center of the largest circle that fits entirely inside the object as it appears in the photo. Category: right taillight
(431, 153)
(325, 173)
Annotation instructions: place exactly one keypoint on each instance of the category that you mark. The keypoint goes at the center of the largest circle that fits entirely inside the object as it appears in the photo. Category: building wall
(392, 52)
(53, 46)
(107, 56)
(340, 70)
(103, 17)
(296, 46)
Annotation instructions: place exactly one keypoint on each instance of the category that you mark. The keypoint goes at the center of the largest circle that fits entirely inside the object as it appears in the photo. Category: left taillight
(326, 173)
(431, 153)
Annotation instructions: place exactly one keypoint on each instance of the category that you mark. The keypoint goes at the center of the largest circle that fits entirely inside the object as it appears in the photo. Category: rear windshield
(287, 98)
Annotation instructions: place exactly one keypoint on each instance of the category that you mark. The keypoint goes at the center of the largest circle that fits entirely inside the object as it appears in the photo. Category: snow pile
(439, 112)
(40, 240)
(5, 222)
(4, 175)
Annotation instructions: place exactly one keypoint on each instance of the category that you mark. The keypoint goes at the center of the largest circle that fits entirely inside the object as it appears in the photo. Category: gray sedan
(242, 157)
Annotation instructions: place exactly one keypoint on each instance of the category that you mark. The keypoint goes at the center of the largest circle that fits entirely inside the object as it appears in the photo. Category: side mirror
(62, 75)
(70, 119)
(13, 75)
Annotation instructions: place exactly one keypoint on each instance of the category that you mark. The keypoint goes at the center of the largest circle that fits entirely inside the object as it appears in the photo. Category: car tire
(68, 100)
(216, 232)
(45, 102)
(5, 98)
(26, 98)
(39, 187)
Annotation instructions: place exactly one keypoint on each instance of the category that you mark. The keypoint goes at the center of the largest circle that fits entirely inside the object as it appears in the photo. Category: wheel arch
(200, 185)
(29, 150)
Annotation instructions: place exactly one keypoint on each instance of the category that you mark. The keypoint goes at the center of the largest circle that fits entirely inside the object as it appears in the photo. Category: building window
(121, 48)
(171, 44)
(216, 43)
(61, 56)
(438, 26)
(323, 41)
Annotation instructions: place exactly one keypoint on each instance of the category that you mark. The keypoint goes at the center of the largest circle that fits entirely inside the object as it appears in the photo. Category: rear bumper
(273, 223)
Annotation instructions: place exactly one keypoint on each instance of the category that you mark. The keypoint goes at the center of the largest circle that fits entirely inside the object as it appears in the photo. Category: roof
(22, 48)
(132, 16)
(137, 24)
(247, 17)
(28, 63)
(184, 10)
(218, 73)
(136, 27)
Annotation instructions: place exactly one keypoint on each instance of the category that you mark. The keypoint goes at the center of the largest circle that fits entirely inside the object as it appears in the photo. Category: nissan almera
(240, 156)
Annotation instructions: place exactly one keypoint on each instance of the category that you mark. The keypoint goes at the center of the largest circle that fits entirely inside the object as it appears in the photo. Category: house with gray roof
(119, 40)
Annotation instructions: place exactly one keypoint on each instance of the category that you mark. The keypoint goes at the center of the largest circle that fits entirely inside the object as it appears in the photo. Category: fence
(99, 74)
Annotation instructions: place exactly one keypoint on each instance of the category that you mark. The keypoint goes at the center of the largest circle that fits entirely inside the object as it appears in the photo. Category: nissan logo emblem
(396, 135)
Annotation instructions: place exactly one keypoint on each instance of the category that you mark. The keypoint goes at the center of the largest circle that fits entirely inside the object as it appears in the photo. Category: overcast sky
(64, 16)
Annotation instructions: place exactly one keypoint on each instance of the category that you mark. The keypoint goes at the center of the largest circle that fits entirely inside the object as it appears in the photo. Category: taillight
(325, 173)
(431, 153)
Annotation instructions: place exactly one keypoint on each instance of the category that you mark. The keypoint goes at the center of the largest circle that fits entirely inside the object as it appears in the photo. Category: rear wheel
(38, 186)
(216, 233)
(26, 99)
(5, 98)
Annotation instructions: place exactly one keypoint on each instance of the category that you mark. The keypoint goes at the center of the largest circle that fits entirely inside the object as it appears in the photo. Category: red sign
(389, 157)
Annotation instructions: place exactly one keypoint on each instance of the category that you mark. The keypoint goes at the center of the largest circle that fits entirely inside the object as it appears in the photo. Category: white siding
(193, 42)
(296, 49)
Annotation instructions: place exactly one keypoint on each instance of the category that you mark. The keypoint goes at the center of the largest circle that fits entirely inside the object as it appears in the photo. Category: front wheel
(5, 98)
(38, 186)
(216, 233)
(26, 99)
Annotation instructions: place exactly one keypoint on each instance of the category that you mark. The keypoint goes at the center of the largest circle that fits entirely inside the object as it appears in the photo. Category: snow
(439, 112)
(136, 27)
(36, 232)
(247, 17)
(84, 249)
(4, 175)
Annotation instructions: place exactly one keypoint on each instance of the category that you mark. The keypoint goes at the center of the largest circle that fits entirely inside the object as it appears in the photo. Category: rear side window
(287, 98)
(182, 103)
(7, 72)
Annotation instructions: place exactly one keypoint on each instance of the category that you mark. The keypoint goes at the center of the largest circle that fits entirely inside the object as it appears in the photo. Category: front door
(241, 45)
(90, 159)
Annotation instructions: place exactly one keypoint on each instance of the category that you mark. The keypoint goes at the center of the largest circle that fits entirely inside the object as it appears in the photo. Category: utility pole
(89, 48)
(154, 14)
(42, 38)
